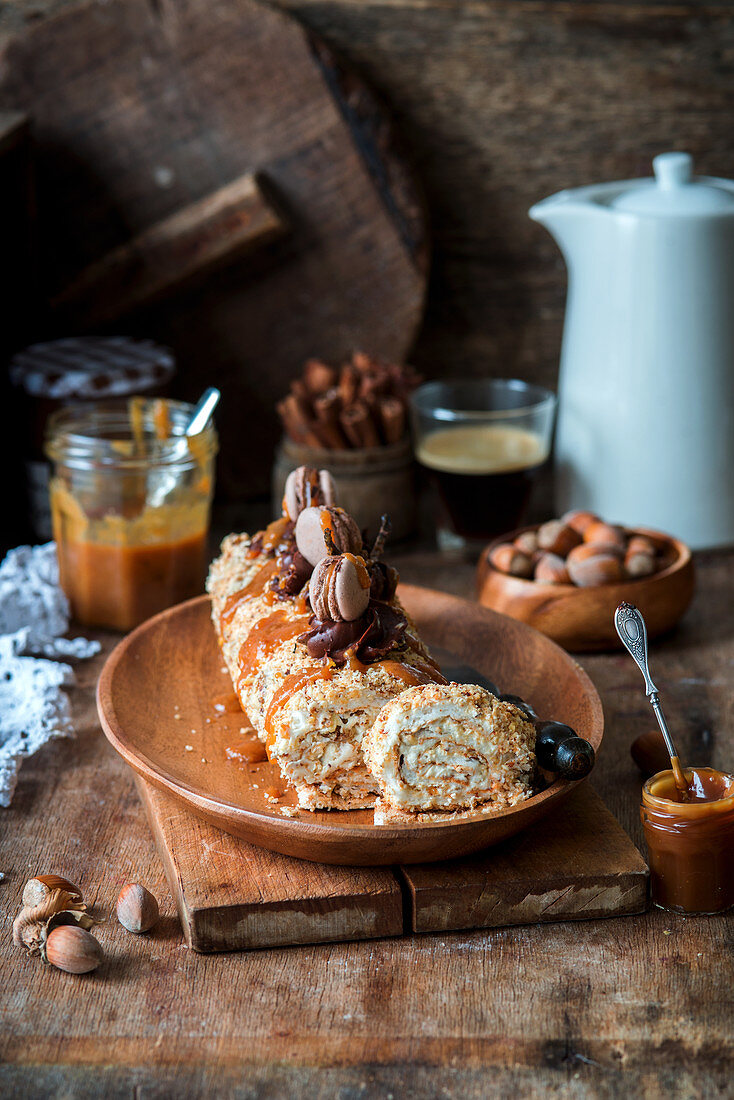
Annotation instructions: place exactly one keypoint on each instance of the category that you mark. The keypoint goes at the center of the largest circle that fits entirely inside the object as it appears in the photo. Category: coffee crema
(484, 474)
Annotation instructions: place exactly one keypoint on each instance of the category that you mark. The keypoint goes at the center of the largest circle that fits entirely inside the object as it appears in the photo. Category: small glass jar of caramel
(690, 843)
(130, 502)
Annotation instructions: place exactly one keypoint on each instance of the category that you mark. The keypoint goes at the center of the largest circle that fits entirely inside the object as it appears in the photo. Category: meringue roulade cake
(315, 640)
(448, 748)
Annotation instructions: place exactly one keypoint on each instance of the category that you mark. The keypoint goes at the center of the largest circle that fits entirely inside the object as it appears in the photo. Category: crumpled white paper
(34, 613)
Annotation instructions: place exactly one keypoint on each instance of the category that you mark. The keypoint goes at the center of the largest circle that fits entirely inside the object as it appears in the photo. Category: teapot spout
(567, 217)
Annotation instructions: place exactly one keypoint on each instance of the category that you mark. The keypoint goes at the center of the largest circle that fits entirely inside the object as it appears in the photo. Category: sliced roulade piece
(316, 642)
(448, 748)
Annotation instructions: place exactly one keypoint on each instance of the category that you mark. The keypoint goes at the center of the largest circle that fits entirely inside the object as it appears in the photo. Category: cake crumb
(189, 748)
(289, 811)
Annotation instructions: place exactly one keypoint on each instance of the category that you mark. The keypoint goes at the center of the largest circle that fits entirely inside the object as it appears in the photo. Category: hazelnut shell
(508, 559)
(557, 537)
(551, 569)
(39, 889)
(594, 571)
(73, 949)
(594, 550)
(641, 544)
(579, 520)
(527, 542)
(639, 565)
(137, 909)
(606, 532)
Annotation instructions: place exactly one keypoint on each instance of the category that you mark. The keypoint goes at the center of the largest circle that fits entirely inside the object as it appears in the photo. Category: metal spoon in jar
(203, 409)
(632, 631)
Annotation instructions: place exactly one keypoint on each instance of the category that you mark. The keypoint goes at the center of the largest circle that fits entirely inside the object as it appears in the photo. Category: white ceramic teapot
(646, 391)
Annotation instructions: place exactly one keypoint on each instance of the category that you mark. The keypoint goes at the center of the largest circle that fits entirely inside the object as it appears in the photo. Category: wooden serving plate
(171, 665)
(582, 619)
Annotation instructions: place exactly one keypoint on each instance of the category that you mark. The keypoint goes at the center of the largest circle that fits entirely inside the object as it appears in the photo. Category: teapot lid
(674, 191)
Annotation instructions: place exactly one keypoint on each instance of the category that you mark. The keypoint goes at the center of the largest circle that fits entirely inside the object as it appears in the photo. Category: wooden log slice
(142, 111)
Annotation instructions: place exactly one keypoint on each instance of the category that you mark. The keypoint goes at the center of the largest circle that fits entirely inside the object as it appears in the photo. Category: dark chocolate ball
(550, 735)
(574, 758)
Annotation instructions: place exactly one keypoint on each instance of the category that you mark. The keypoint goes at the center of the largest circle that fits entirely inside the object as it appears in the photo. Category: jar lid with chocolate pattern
(83, 368)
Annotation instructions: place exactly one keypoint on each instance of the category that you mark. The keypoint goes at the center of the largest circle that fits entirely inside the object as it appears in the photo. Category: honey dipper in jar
(687, 813)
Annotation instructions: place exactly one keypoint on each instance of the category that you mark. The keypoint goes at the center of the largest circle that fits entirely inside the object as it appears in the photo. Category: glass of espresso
(483, 443)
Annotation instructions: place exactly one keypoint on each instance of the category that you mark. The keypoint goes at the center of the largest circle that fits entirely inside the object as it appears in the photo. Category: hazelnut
(324, 531)
(641, 544)
(606, 532)
(596, 570)
(579, 520)
(339, 589)
(550, 569)
(527, 542)
(638, 564)
(73, 949)
(557, 537)
(137, 909)
(40, 889)
(593, 550)
(508, 559)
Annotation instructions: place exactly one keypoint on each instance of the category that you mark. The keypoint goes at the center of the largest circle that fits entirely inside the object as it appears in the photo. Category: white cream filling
(441, 748)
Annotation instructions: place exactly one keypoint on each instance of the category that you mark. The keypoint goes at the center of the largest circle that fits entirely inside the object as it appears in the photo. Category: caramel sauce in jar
(130, 499)
(690, 844)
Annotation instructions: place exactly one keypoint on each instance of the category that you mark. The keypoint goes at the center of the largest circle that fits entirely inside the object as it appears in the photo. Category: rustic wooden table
(632, 1006)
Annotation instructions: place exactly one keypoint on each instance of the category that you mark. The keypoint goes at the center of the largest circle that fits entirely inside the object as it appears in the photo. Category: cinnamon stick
(318, 377)
(348, 384)
(392, 419)
(358, 426)
(298, 427)
(327, 408)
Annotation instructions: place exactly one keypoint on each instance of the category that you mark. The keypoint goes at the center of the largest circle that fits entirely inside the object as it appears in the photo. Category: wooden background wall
(502, 102)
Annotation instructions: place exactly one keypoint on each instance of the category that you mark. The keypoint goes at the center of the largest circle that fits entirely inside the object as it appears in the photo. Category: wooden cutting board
(577, 865)
(209, 174)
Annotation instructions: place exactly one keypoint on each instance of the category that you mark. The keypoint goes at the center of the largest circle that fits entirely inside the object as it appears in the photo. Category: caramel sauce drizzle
(226, 704)
(327, 524)
(410, 674)
(264, 638)
(249, 752)
(161, 419)
(271, 536)
(359, 564)
(301, 605)
(287, 689)
(256, 587)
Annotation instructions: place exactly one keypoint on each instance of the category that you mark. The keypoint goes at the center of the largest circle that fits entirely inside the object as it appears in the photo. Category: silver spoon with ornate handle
(632, 631)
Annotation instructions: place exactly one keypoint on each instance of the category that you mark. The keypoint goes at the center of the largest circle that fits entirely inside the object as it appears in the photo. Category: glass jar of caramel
(130, 502)
(690, 843)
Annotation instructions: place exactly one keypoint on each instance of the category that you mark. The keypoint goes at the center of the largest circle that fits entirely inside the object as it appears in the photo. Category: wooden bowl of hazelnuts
(567, 577)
